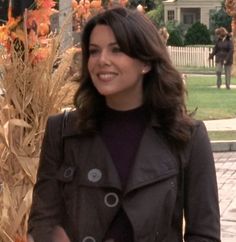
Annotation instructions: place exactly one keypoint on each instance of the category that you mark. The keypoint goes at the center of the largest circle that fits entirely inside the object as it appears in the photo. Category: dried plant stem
(32, 93)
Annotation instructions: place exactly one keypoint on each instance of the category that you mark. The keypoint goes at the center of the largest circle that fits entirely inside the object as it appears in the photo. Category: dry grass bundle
(32, 93)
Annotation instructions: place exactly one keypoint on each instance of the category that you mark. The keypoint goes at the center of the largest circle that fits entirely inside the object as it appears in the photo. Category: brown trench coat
(83, 193)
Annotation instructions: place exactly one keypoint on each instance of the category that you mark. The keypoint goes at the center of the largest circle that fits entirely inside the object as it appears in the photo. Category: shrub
(197, 34)
(220, 18)
(176, 33)
(175, 39)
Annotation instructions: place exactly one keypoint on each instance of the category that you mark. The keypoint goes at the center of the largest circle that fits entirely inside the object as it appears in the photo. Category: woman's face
(115, 75)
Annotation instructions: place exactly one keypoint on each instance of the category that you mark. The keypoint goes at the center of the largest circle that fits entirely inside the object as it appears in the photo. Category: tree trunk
(234, 42)
(65, 24)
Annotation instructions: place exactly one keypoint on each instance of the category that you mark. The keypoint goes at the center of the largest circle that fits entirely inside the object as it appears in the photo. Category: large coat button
(94, 175)
(88, 239)
(111, 199)
(69, 171)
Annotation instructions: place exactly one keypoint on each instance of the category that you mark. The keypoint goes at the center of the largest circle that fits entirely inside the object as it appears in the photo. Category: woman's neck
(123, 106)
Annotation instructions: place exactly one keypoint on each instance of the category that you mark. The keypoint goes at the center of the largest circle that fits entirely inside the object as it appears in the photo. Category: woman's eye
(93, 51)
(116, 49)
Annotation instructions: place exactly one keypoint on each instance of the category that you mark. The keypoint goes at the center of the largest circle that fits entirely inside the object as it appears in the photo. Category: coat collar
(70, 128)
(154, 161)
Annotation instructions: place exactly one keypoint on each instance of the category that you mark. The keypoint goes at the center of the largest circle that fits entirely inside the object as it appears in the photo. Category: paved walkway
(221, 125)
(226, 176)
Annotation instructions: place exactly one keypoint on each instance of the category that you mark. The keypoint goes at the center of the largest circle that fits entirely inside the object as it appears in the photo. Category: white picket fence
(191, 56)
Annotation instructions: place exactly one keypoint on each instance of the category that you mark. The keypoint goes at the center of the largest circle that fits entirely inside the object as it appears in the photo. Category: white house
(190, 11)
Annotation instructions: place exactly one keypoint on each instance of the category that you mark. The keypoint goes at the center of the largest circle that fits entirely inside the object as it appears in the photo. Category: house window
(188, 18)
(170, 15)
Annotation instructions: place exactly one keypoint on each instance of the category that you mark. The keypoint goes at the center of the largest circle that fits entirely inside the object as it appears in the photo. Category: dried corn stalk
(32, 93)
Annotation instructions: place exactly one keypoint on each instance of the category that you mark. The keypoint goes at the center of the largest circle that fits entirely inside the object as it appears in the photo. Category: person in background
(129, 164)
(164, 34)
(223, 52)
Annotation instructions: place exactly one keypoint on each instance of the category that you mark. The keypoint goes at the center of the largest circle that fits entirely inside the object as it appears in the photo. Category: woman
(223, 52)
(129, 161)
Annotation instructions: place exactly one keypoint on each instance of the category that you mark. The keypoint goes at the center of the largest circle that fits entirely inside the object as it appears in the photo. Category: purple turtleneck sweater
(121, 132)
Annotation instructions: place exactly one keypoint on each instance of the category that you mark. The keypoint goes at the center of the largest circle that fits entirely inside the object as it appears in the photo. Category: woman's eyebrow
(110, 44)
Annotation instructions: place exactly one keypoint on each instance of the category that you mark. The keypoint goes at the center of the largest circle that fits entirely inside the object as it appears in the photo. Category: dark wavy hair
(163, 87)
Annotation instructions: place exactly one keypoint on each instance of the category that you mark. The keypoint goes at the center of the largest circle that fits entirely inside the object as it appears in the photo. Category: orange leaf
(46, 3)
(20, 239)
(32, 39)
(39, 54)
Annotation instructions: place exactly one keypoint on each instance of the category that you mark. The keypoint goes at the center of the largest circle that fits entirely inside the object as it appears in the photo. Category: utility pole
(65, 24)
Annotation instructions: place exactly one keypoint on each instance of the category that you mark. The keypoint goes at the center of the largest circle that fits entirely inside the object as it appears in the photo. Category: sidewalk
(225, 163)
(222, 125)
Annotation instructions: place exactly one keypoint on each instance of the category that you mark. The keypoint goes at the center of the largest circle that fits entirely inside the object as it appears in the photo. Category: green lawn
(222, 135)
(211, 103)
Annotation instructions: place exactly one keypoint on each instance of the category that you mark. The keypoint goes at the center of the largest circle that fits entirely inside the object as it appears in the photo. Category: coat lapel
(91, 157)
(154, 161)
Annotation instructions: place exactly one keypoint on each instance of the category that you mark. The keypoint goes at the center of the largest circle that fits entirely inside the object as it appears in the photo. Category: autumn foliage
(34, 88)
(32, 30)
(29, 30)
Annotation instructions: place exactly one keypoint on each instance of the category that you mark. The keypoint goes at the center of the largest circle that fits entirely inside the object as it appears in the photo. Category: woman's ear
(146, 68)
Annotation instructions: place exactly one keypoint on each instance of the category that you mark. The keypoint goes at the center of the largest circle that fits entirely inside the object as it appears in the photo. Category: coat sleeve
(201, 205)
(214, 51)
(229, 57)
(47, 208)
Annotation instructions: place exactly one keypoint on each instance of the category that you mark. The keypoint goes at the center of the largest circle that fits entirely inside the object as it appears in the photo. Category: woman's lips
(106, 76)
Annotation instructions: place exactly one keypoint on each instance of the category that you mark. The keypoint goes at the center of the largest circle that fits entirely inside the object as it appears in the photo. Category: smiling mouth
(107, 76)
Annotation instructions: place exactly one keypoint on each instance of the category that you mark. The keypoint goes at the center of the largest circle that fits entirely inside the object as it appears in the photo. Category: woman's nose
(104, 58)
